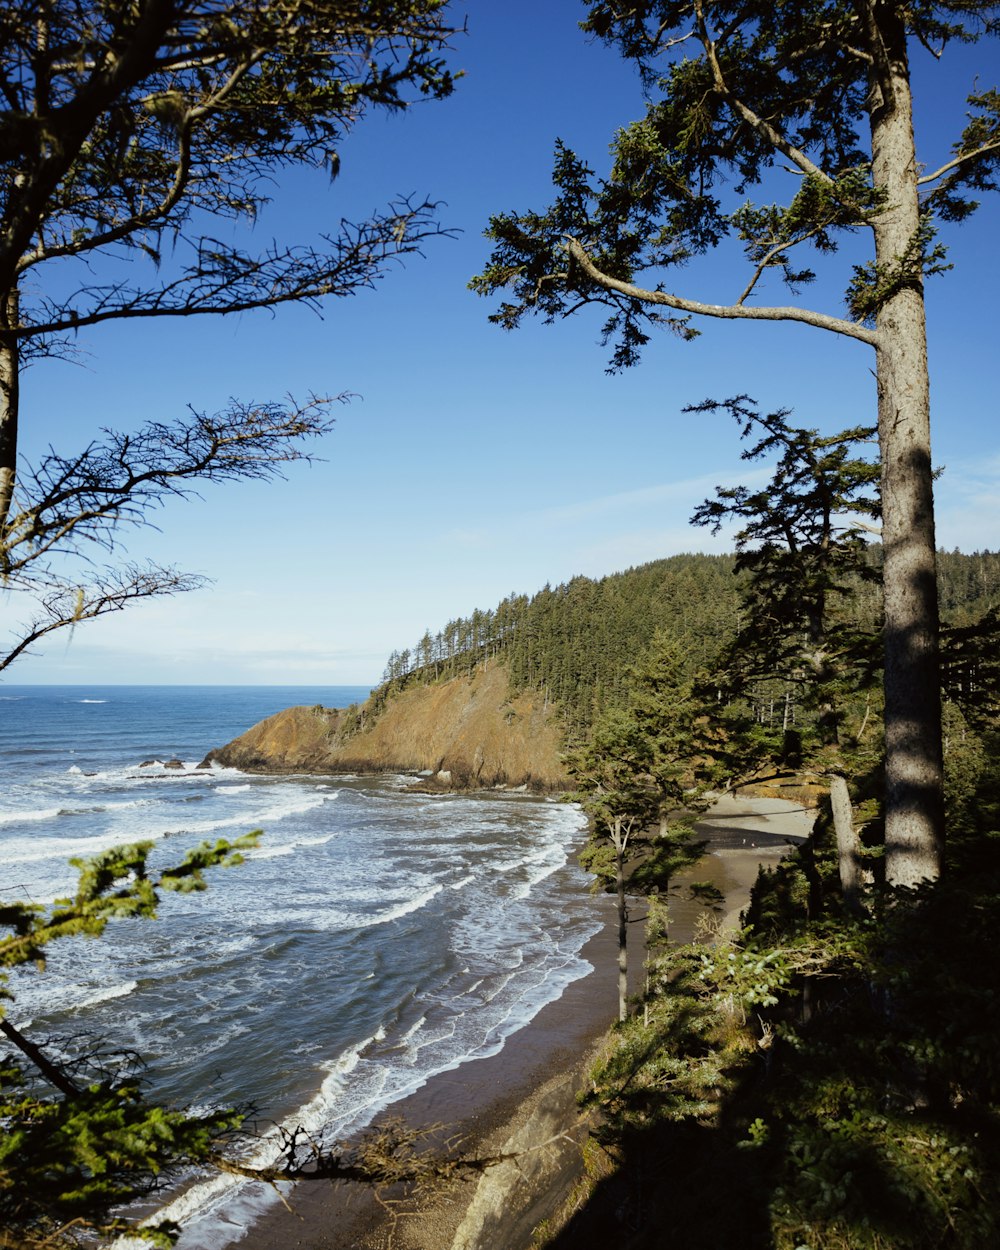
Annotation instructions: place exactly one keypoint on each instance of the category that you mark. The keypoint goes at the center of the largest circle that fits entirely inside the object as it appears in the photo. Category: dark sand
(484, 1100)
(480, 1102)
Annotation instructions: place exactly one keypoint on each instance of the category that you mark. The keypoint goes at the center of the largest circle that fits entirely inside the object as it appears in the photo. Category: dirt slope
(467, 731)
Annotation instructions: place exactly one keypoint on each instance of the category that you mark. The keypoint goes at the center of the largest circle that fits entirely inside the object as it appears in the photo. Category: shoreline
(488, 1102)
(480, 1104)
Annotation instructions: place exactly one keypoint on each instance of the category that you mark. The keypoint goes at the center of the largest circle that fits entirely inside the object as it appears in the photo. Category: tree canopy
(139, 143)
(814, 100)
(139, 146)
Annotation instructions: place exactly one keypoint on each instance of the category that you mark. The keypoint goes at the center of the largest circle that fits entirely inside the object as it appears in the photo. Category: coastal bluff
(468, 732)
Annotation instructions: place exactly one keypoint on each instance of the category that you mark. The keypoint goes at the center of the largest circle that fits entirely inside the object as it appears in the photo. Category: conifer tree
(744, 95)
(612, 772)
(635, 781)
(802, 545)
(138, 146)
(667, 711)
(79, 1137)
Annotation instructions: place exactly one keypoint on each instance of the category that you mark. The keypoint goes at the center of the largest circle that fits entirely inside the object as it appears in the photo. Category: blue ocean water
(375, 938)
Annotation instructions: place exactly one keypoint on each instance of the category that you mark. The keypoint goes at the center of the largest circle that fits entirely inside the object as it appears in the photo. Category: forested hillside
(574, 643)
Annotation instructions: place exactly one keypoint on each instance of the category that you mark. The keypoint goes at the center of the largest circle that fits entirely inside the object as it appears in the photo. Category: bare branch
(385, 1155)
(51, 1071)
(957, 161)
(862, 525)
(221, 280)
(822, 321)
(69, 501)
(67, 605)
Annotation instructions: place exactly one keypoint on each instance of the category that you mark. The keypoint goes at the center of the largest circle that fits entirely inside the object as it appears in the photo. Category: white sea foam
(273, 964)
(43, 1002)
(413, 1030)
(500, 984)
(36, 850)
(401, 909)
(205, 1197)
(112, 991)
(363, 1080)
(538, 874)
(294, 802)
(104, 995)
(270, 852)
(287, 848)
(339, 919)
(42, 813)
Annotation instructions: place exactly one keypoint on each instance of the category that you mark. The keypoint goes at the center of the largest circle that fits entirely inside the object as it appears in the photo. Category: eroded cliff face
(467, 732)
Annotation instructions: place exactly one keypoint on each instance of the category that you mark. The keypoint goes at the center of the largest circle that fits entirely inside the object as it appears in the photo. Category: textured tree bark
(848, 846)
(914, 812)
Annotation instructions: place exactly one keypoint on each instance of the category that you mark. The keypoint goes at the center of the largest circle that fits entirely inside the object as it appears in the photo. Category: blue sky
(473, 462)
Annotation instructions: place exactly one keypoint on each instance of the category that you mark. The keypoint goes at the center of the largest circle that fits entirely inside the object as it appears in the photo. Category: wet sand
(484, 1101)
(480, 1103)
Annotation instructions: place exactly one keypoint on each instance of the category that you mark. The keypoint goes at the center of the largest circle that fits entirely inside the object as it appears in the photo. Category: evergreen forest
(575, 643)
(831, 1065)
(830, 1068)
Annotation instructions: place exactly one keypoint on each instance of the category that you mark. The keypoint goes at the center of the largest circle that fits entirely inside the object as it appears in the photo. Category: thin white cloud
(967, 505)
(673, 502)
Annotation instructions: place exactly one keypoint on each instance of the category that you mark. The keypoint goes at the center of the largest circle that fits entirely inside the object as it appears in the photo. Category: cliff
(468, 732)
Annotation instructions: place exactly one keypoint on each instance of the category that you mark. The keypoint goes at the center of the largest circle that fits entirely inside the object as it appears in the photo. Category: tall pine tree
(750, 96)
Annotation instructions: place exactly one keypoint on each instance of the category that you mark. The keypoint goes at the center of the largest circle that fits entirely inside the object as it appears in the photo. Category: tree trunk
(622, 921)
(10, 366)
(914, 803)
(848, 846)
(53, 1074)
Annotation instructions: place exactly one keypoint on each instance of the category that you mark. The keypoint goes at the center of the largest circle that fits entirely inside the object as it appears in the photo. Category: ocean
(375, 938)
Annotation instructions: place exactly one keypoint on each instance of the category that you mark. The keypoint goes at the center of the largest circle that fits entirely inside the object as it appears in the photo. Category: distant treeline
(574, 643)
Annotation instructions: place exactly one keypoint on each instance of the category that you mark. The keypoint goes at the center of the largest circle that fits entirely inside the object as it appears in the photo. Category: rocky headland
(468, 732)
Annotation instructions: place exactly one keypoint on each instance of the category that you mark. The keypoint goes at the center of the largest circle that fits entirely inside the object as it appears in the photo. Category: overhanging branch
(962, 159)
(822, 321)
(221, 280)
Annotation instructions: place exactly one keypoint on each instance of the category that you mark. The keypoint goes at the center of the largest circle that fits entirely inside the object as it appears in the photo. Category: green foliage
(614, 773)
(212, 100)
(815, 100)
(128, 133)
(844, 1075)
(736, 94)
(66, 1161)
(636, 766)
(77, 1157)
(874, 284)
(113, 884)
(574, 643)
(970, 663)
(808, 638)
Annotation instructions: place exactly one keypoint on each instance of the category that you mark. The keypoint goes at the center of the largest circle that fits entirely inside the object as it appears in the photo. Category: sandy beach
(485, 1102)
(481, 1102)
